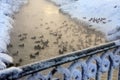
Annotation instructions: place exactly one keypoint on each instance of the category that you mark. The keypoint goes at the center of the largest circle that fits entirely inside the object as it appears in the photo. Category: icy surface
(102, 15)
(7, 10)
(12, 70)
(62, 2)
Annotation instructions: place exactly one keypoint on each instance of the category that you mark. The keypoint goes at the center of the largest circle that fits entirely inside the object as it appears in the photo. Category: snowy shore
(7, 10)
(101, 15)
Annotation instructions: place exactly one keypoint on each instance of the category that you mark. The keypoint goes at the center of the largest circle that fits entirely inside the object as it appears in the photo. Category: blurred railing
(87, 64)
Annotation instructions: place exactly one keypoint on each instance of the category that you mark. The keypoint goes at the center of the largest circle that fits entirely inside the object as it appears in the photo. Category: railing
(85, 64)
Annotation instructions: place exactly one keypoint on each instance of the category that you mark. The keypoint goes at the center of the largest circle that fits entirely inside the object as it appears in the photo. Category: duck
(20, 60)
(17, 64)
(21, 45)
(37, 53)
(21, 39)
(25, 34)
(34, 37)
(10, 46)
(61, 51)
(16, 53)
(32, 56)
(19, 35)
(37, 47)
(37, 41)
(45, 43)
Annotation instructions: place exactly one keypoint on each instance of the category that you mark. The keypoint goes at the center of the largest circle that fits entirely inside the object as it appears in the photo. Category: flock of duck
(67, 37)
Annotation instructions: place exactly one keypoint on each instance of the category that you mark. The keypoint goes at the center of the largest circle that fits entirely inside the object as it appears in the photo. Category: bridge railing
(87, 64)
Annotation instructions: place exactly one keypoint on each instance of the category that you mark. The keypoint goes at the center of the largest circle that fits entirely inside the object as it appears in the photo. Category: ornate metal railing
(85, 64)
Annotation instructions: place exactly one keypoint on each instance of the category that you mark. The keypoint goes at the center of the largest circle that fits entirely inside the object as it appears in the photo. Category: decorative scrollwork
(103, 62)
(36, 76)
(76, 73)
(84, 69)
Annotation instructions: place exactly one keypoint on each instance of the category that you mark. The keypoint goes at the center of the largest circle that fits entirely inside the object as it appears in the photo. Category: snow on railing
(84, 65)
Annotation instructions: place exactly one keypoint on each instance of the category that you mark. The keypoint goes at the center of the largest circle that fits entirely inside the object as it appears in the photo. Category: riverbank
(41, 32)
(7, 10)
(100, 15)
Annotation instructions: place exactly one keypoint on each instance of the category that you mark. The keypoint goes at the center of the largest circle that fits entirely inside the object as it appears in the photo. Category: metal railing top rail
(53, 62)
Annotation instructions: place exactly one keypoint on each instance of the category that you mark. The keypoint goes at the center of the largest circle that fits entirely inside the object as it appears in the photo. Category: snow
(102, 15)
(62, 2)
(5, 58)
(14, 71)
(2, 65)
(11, 69)
(7, 10)
(114, 34)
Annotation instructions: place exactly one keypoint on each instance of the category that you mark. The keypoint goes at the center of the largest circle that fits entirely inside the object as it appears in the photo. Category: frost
(36, 76)
(102, 15)
(115, 60)
(5, 58)
(77, 74)
(2, 65)
(7, 10)
(62, 2)
(10, 71)
(114, 34)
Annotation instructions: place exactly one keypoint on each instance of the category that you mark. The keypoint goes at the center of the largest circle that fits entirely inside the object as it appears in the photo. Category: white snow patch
(12, 70)
(2, 65)
(5, 58)
(103, 15)
(62, 2)
(7, 10)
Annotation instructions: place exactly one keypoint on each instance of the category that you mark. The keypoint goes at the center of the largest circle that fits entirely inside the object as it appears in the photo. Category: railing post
(110, 71)
(98, 74)
(119, 73)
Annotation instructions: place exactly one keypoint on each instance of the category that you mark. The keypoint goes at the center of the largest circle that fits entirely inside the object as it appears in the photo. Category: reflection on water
(41, 32)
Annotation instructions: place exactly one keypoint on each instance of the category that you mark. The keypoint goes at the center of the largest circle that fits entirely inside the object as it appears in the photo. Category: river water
(41, 32)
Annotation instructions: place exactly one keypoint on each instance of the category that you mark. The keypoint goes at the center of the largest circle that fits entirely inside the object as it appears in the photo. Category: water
(42, 32)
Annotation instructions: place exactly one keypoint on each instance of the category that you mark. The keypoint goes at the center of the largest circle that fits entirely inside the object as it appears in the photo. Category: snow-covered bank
(7, 10)
(102, 15)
